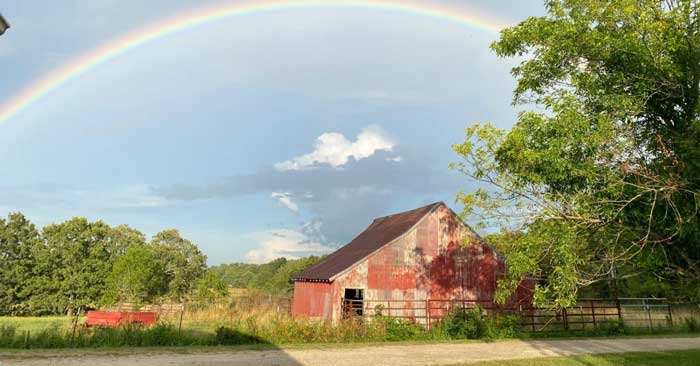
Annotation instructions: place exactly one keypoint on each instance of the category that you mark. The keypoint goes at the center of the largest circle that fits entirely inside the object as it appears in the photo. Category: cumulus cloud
(283, 243)
(285, 199)
(334, 149)
(339, 203)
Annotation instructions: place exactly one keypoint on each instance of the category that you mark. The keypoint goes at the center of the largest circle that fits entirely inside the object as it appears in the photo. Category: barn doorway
(353, 302)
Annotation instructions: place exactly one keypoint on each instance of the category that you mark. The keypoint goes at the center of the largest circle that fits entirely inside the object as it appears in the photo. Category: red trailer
(114, 319)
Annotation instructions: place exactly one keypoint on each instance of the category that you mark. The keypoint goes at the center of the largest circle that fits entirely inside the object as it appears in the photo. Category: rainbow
(193, 18)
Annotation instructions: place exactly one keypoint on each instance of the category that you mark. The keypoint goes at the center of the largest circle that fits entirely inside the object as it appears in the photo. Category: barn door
(353, 302)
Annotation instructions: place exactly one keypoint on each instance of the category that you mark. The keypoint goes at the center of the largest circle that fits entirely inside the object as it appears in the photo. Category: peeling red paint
(312, 299)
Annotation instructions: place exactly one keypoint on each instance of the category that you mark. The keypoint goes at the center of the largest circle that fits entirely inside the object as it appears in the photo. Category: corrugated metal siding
(312, 299)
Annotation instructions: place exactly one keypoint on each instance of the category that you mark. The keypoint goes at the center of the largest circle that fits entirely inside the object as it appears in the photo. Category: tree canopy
(137, 276)
(82, 264)
(602, 179)
(181, 260)
(18, 238)
(72, 263)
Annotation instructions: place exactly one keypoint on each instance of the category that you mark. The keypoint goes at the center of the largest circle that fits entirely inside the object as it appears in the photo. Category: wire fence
(588, 314)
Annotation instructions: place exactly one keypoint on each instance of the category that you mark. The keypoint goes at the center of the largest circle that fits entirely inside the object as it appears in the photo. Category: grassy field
(675, 358)
(65, 323)
(36, 324)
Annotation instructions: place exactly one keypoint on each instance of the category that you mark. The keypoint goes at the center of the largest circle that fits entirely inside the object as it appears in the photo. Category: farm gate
(587, 314)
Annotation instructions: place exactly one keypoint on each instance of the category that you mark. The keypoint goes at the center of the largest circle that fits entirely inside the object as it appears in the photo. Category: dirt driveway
(401, 355)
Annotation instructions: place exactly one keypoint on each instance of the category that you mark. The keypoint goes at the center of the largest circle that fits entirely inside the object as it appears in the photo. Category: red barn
(407, 264)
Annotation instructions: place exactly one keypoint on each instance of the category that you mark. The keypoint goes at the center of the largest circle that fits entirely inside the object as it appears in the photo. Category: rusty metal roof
(381, 231)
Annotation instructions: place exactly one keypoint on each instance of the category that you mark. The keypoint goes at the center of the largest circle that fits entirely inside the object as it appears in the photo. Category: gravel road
(398, 355)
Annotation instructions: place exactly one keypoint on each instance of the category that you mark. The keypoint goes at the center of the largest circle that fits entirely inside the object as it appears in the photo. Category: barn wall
(312, 299)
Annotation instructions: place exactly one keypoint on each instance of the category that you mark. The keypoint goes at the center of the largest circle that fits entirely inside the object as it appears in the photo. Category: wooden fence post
(647, 309)
(520, 315)
(619, 310)
(179, 327)
(593, 314)
(427, 314)
(75, 324)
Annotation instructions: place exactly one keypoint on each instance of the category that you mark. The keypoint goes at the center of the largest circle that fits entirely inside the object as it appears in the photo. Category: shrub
(397, 329)
(394, 329)
(462, 323)
(503, 326)
(608, 328)
(691, 325)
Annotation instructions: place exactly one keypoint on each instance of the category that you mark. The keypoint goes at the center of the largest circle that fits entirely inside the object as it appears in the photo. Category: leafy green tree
(604, 180)
(281, 282)
(123, 237)
(137, 276)
(18, 239)
(181, 260)
(209, 288)
(72, 264)
(237, 275)
(266, 272)
(78, 263)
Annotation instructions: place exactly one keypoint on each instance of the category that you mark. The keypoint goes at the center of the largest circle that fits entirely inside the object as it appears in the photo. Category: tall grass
(162, 334)
(266, 325)
(255, 327)
(243, 330)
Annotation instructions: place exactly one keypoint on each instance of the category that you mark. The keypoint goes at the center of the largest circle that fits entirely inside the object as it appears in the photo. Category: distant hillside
(274, 277)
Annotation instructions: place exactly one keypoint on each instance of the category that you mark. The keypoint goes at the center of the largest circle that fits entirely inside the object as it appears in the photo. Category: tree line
(82, 264)
(274, 277)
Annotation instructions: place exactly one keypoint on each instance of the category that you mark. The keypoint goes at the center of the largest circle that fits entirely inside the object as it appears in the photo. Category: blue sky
(278, 134)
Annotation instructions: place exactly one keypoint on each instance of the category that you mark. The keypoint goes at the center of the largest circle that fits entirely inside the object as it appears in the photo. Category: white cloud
(334, 149)
(285, 199)
(286, 243)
